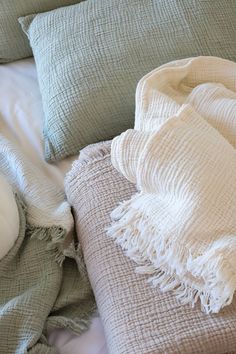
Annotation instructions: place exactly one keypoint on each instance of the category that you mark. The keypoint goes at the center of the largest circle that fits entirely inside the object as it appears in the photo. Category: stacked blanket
(137, 318)
(43, 280)
(181, 225)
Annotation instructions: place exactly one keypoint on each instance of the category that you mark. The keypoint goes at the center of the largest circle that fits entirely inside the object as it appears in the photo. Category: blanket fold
(43, 283)
(150, 321)
(181, 226)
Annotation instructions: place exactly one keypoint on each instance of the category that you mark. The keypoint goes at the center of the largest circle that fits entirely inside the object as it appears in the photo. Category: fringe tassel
(171, 266)
(55, 237)
(88, 155)
(75, 252)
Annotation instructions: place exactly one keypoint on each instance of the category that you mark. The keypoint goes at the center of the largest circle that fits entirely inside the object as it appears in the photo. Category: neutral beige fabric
(181, 225)
(137, 319)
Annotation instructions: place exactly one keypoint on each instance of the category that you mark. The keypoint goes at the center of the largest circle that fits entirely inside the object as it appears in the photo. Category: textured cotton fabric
(43, 280)
(23, 127)
(181, 226)
(46, 204)
(14, 44)
(90, 56)
(137, 318)
(37, 294)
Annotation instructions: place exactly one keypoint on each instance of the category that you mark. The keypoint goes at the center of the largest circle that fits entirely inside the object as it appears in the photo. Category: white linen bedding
(21, 121)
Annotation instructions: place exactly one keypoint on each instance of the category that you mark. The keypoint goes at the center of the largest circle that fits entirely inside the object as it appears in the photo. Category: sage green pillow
(13, 42)
(90, 57)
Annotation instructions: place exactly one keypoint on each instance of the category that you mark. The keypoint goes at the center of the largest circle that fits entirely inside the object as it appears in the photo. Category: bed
(117, 132)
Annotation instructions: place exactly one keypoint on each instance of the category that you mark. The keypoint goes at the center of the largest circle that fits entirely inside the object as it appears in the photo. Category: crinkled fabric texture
(37, 294)
(14, 44)
(181, 226)
(41, 287)
(90, 57)
(137, 318)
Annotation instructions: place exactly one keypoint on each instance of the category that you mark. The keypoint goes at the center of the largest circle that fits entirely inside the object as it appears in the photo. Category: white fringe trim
(209, 278)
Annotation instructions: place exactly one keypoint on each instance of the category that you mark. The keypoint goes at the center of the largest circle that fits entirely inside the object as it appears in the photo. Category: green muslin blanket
(43, 281)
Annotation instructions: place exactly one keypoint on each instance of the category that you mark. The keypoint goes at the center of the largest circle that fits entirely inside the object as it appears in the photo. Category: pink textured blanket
(137, 319)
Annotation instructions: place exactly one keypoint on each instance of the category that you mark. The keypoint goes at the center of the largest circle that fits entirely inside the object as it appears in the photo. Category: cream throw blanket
(181, 225)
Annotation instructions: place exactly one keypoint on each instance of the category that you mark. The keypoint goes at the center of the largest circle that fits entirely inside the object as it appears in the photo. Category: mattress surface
(21, 118)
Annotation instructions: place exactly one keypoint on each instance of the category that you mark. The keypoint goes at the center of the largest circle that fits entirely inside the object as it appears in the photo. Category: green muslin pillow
(13, 42)
(90, 57)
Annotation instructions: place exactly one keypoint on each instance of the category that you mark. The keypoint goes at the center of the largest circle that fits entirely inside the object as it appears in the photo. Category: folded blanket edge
(153, 260)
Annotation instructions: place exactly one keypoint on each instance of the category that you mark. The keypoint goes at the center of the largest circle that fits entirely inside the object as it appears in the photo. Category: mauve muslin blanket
(137, 318)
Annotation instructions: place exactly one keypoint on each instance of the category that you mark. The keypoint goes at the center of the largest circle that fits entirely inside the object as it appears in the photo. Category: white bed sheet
(21, 118)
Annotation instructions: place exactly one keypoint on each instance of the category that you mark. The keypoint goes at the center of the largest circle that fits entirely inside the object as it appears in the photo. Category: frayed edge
(156, 257)
(76, 325)
(54, 235)
(94, 152)
(75, 252)
(89, 155)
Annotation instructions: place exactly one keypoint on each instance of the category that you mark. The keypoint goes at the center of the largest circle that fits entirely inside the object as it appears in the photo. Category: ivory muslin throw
(180, 228)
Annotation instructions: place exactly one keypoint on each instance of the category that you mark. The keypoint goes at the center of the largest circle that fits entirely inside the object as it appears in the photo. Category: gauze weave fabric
(43, 279)
(181, 226)
(14, 44)
(137, 318)
(90, 57)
